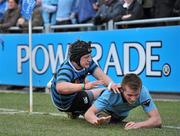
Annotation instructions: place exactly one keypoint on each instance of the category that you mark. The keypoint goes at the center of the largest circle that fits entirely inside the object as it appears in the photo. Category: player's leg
(83, 101)
(80, 104)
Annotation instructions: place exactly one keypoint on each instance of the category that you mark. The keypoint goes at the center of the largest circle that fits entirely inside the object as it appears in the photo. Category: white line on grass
(167, 100)
(173, 127)
(14, 91)
(15, 111)
(10, 110)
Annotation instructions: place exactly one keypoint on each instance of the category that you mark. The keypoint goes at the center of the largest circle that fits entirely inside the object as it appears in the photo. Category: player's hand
(103, 120)
(93, 84)
(115, 88)
(132, 125)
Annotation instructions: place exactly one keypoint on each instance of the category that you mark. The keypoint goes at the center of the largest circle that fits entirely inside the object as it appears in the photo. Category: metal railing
(88, 25)
(16, 28)
(106, 26)
(147, 21)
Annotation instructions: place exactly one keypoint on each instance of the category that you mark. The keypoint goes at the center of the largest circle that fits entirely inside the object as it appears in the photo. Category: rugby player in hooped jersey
(70, 90)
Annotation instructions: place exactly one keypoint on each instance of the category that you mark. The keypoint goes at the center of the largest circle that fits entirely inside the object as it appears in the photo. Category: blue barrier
(152, 53)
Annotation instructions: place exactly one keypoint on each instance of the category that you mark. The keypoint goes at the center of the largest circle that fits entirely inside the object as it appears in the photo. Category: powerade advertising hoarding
(152, 53)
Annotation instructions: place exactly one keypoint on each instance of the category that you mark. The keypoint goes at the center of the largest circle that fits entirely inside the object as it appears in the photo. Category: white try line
(172, 127)
(15, 111)
(167, 100)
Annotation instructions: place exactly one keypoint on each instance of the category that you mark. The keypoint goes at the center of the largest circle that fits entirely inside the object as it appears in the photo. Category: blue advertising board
(152, 53)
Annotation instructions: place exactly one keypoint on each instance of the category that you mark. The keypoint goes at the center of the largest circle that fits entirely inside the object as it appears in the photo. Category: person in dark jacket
(10, 16)
(36, 18)
(107, 11)
(132, 10)
(164, 8)
(176, 9)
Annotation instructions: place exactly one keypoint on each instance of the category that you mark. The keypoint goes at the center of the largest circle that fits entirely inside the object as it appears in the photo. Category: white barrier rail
(107, 26)
(147, 21)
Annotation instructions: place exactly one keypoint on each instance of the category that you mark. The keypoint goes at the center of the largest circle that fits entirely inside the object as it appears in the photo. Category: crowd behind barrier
(110, 25)
(75, 15)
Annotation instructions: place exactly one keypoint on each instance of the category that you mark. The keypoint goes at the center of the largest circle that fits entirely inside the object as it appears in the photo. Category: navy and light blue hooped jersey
(68, 73)
(116, 104)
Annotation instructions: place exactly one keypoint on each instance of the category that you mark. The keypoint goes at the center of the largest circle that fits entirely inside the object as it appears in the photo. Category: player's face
(85, 60)
(130, 95)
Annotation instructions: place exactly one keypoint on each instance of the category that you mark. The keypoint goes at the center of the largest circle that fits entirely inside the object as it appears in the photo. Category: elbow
(60, 89)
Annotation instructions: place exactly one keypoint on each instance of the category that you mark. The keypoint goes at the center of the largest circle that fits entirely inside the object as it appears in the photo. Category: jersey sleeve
(146, 101)
(92, 67)
(64, 75)
(102, 101)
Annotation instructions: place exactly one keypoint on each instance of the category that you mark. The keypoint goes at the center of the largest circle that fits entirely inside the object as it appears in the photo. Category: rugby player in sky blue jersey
(116, 106)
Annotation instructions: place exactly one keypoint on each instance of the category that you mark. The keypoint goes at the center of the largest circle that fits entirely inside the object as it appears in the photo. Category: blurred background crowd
(62, 12)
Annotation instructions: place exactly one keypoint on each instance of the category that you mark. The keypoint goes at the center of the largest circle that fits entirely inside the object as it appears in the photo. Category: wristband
(83, 87)
(109, 85)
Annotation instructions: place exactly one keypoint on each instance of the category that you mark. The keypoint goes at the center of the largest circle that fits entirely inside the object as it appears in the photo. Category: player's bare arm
(100, 75)
(154, 120)
(68, 88)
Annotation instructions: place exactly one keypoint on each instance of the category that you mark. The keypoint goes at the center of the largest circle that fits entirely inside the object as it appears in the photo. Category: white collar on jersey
(75, 68)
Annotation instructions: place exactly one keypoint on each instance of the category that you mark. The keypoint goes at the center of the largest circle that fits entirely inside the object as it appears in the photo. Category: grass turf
(24, 124)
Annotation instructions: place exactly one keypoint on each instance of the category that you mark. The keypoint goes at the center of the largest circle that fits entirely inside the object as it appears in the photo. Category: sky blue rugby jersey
(116, 104)
(67, 73)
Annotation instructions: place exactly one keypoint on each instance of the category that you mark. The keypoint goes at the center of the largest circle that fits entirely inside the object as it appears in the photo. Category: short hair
(132, 81)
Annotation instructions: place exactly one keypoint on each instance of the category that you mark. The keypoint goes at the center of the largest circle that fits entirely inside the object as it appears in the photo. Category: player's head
(80, 53)
(131, 86)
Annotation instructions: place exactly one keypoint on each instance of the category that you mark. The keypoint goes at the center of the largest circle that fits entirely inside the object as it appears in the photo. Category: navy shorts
(82, 102)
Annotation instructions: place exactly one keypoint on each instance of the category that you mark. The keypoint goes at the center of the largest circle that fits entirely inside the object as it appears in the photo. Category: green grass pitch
(25, 124)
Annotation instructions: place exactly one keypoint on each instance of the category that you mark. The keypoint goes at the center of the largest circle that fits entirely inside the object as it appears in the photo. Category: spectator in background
(164, 8)
(36, 18)
(65, 12)
(147, 8)
(107, 11)
(176, 9)
(86, 10)
(100, 2)
(132, 10)
(49, 10)
(10, 16)
(3, 7)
